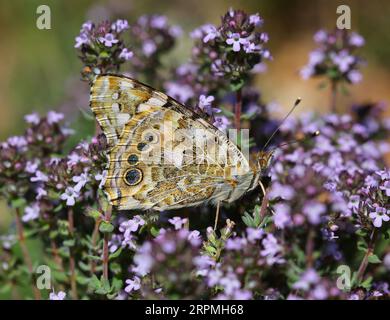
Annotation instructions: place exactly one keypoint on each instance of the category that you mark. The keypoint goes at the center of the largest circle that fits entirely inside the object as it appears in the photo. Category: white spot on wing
(156, 102)
(143, 107)
(115, 107)
(122, 119)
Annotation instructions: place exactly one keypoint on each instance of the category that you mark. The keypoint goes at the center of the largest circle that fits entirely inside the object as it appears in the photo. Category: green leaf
(211, 250)
(106, 227)
(92, 257)
(374, 259)
(94, 282)
(104, 54)
(58, 208)
(366, 284)
(362, 246)
(93, 213)
(18, 203)
(248, 220)
(116, 284)
(115, 254)
(87, 115)
(69, 243)
(256, 216)
(237, 84)
(154, 231)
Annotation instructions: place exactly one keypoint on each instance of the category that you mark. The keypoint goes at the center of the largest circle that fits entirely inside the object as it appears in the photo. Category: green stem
(237, 109)
(369, 252)
(72, 262)
(333, 96)
(25, 253)
(107, 218)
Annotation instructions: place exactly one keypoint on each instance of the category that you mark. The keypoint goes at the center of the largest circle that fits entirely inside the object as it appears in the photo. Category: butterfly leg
(217, 215)
(264, 203)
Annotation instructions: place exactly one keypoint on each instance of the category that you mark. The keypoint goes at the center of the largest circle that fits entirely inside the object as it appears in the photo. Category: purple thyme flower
(236, 243)
(284, 191)
(282, 216)
(354, 202)
(31, 167)
(230, 283)
(115, 242)
(386, 187)
(120, 25)
(203, 264)
(342, 59)
(271, 250)
(143, 260)
(32, 118)
(356, 40)
(31, 212)
(57, 296)
(308, 278)
(54, 117)
(194, 237)
(158, 21)
(87, 26)
(313, 211)
(131, 226)
(379, 215)
(205, 104)
(133, 285)
(178, 222)
(108, 40)
(126, 54)
(221, 122)
(354, 76)
(39, 176)
(386, 261)
(256, 20)
(69, 195)
(149, 47)
(180, 92)
(102, 178)
(236, 41)
(320, 36)
(18, 142)
(250, 47)
(81, 181)
(254, 234)
(81, 39)
(211, 32)
(383, 174)
(41, 193)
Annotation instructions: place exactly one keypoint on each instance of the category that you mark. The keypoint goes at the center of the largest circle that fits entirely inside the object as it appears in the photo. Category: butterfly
(154, 157)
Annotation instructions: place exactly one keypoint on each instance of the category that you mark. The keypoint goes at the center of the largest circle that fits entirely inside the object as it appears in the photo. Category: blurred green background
(40, 69)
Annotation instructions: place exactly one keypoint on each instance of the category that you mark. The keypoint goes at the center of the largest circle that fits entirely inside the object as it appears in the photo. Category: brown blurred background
(39, 68)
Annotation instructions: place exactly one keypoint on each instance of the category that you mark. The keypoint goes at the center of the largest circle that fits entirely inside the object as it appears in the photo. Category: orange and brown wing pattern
(153, 163)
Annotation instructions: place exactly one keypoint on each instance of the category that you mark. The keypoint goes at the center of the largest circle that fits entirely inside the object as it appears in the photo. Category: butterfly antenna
(306, 137)
(284, 119)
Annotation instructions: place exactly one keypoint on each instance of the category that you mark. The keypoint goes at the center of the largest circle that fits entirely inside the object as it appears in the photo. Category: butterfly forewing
(163, 155)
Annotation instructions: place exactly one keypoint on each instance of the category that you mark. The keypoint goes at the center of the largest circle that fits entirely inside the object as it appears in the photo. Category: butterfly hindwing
(153, 160)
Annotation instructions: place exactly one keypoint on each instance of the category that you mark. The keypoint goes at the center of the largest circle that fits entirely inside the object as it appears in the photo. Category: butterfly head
(264, 160)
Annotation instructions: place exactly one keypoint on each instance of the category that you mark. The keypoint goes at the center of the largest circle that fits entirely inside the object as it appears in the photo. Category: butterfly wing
(163, 155)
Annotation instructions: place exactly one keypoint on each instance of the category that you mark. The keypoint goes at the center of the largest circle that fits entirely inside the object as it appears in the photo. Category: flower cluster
(101, 47)
(231, 50)
(151, 38)
(335, 57)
